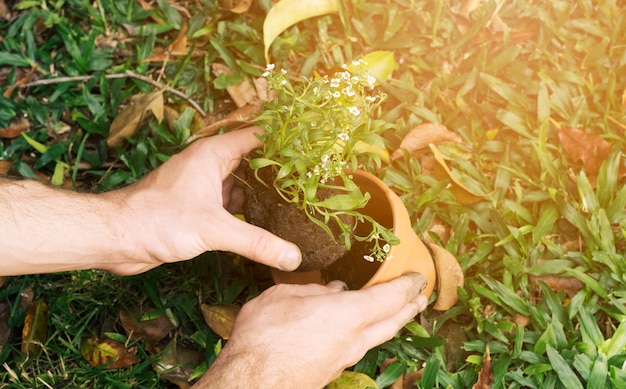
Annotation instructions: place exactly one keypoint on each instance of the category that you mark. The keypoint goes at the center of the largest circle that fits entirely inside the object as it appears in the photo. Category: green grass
(506, 86)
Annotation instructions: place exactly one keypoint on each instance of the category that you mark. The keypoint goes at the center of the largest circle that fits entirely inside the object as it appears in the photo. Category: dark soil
(265, 208)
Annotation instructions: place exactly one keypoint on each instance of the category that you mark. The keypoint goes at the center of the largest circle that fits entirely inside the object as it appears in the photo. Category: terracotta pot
(411, 255)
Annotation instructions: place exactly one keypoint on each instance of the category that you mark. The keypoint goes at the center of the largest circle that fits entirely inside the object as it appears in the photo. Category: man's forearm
(45, 229)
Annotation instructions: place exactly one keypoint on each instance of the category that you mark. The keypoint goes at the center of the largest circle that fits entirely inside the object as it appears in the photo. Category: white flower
(386, 247)
(371, 99)
(355, 111)
(283, 71)
(348, 91)
(371, 81)
(283, 82)
(337, 95)
(315, 90)
(368, 258)
(270, 66)
(344, 137)
(265, 74)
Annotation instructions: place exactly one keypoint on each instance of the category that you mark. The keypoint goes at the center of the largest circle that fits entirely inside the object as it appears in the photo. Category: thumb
(258, 244)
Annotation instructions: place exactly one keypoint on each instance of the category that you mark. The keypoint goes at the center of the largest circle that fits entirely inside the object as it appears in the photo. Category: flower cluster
(315, 131)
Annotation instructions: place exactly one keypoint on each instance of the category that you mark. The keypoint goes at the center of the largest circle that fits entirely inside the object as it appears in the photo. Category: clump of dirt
(265, 208)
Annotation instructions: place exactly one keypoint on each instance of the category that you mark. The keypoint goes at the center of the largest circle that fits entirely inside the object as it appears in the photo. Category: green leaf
(36, 145)
(431, 369)
(599, 373)
(341, 202)
(391, 374)
(616, 344)
(259, 163)
(589, 281)
(14, 60)
(589, 329)
(566, 375)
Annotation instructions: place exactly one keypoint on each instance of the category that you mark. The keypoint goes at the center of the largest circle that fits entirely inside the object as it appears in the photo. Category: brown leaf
(220, 318)
(234, 120)
(485, 377)
(421, 136)
(9, 91)
(16, 127)
(570, 285)
(591, 149)
(107, 353)
(176, 364)
(151, 330)
(243, 93)
(5, 167)
(35, 328)
(449, 277)
(462, 194)
(128, 121)
(236, 6)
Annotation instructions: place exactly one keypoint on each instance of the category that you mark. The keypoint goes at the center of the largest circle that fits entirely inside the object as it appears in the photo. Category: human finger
(255, 243)
(389, 297)
(379, 332)
(337, 286)
(232, 146)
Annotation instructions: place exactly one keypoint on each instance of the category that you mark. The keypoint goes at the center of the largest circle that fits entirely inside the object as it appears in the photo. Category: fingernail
(422, 302)
(289, 259)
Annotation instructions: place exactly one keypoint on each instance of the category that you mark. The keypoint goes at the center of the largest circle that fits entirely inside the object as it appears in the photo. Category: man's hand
(303, 336)
(177, 212)
(182, 208)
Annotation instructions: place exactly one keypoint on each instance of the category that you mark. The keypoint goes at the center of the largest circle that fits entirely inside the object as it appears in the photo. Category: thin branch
(126, 74)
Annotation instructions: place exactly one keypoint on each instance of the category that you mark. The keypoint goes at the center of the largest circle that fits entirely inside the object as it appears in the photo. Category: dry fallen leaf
(128, 121)
(16, 128)
(35, 328)
(591, 149)
(5, 166)
(176, 364)
(421, 136)
(449, 277)
(152, 331)
(286, 13)
(462, 194)
(243, 93)
(236, 6)
(570, 285)
(234, 120)
(485, 377)
(220, 318)
(107, 353)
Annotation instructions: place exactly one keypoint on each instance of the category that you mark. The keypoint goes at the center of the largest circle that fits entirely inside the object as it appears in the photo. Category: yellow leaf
(107, 353)
(289, 12)
(462, 194)
(353, 380)
(220, 318)
(362, 147)
(35, 328)
(128, 121)
(380, 64)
